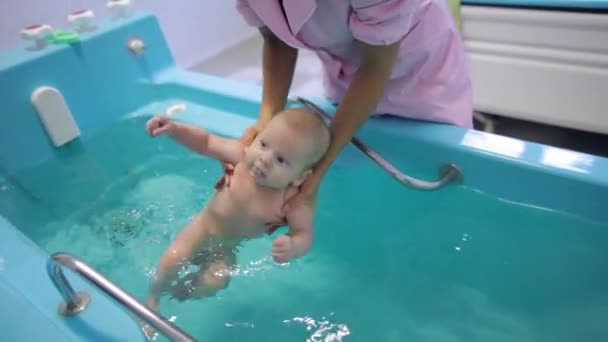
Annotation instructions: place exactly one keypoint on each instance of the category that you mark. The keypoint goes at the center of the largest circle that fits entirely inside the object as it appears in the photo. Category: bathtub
(512, 251)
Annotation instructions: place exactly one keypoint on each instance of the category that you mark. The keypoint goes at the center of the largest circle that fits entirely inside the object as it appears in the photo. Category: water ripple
(322, 330)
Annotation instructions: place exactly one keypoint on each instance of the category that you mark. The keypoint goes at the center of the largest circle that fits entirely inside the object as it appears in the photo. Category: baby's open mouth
(257, 172)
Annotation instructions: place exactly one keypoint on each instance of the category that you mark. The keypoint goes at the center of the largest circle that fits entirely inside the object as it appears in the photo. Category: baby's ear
(302, 178)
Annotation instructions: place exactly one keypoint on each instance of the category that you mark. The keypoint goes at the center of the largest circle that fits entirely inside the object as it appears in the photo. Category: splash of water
(322, 330)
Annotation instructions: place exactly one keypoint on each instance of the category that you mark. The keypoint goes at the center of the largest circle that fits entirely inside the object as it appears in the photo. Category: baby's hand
(282, 249)
(158, 125)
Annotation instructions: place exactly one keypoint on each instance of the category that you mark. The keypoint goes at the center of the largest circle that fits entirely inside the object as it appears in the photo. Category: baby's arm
(298, 240)
(197, 139)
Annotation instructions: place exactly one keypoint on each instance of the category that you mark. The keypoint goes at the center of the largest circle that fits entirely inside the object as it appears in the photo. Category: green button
(63, 37)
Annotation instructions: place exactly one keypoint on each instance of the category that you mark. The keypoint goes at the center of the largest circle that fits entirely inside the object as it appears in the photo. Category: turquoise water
(388, 263)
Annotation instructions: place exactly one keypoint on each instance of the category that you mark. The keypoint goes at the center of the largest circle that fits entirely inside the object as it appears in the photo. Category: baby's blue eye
(280, 159)
(262, 143)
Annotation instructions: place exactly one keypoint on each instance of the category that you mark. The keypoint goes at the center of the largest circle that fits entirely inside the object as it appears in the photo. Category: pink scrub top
(430, 80)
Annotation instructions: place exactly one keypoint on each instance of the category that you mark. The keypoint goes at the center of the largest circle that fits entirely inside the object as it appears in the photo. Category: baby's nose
(266, 158)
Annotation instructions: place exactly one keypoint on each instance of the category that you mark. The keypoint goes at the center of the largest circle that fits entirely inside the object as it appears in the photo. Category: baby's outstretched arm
(298, 240)
(196, 139)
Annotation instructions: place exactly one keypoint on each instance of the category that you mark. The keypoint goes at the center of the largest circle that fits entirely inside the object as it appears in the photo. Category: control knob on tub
(38, 34)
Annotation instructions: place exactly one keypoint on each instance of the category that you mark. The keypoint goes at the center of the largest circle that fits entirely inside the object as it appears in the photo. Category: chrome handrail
(76, 302)
(448, 172)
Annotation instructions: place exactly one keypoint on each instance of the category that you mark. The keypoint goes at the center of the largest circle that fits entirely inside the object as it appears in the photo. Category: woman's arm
(361, 99)
(278, 65)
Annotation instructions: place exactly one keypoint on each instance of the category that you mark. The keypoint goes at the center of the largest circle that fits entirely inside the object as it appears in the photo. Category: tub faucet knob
(119, 8)
(82, 20)
(136, 46)
(37, 33)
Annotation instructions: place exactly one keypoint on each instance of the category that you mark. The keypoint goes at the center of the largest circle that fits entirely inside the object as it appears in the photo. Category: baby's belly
(234, 222)
(241, 228)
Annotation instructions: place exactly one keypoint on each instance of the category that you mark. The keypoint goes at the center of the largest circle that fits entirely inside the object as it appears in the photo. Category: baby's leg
(177, 254)
(213, 276)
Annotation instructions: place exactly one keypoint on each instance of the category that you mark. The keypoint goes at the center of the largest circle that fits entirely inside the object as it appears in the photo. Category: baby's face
(279, 157)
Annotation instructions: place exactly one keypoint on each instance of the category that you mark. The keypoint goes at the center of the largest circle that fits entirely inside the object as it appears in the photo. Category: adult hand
(250, 134)
(246, 139)
(307, 193)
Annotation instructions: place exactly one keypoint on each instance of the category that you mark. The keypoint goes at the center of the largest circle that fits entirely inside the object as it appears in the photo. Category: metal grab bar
(448, 173)
(76, 302)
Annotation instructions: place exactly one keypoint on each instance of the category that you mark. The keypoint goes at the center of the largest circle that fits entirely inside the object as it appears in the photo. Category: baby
(266, 174)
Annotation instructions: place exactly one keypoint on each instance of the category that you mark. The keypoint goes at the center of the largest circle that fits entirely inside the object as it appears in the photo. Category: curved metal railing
(76, 302)
(448, 172)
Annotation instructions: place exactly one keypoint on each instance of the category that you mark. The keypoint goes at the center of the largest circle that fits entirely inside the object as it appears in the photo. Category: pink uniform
(430, 80)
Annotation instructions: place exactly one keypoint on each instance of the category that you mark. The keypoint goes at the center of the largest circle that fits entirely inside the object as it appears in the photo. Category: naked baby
(266, 174)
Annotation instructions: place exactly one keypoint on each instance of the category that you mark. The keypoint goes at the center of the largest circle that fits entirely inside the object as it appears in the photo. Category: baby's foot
(149, 332)
(152, 303)
(184, 287)
(181, 292)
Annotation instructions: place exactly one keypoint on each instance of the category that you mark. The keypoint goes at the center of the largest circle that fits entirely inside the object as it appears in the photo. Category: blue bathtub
(513, 252)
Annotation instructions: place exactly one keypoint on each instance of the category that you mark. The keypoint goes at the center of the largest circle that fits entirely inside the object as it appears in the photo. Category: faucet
(82, 20)
(38, 34)
(119, 8)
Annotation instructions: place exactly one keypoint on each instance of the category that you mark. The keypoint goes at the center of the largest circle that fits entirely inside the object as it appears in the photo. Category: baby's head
(287, 148)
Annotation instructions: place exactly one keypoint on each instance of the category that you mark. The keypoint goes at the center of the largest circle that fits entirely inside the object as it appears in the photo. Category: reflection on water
(322, 330)
(239, 325)
(255, 267)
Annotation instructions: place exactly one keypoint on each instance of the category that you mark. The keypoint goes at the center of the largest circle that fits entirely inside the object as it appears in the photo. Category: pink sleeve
(250, 17)
(381, 22)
